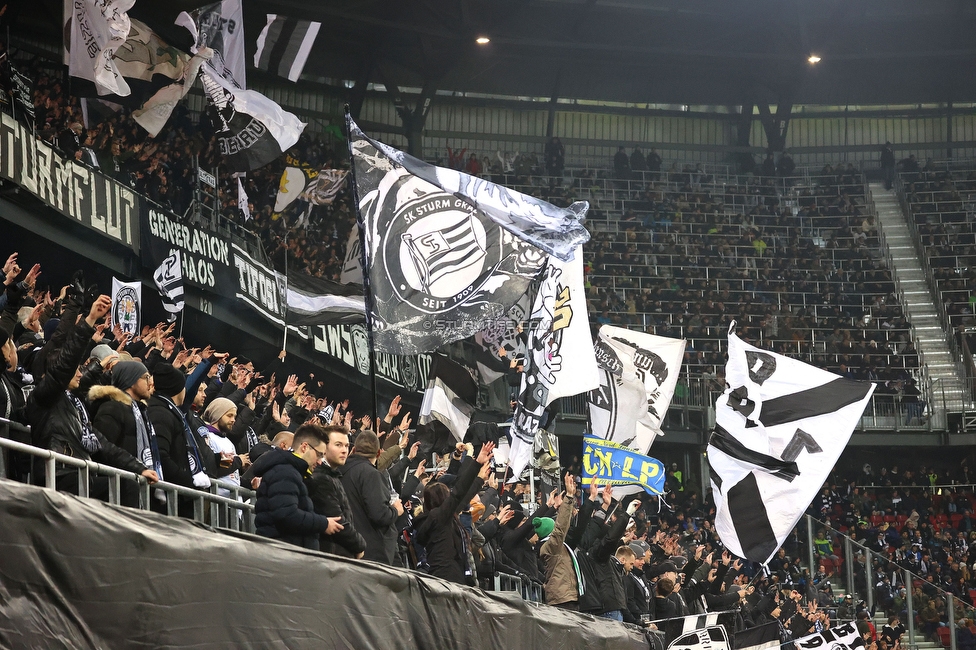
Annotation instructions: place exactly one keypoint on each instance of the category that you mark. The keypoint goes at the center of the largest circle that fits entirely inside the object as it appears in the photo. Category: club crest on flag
(126, 305)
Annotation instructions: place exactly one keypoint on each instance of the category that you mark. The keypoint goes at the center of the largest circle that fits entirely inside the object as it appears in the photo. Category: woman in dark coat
(438, 529)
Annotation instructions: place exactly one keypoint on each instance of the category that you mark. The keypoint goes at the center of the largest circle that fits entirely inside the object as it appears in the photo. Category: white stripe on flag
(303, 51)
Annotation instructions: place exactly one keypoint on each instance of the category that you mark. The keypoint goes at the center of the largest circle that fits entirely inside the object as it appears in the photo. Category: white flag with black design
(780, 427)
(169, 282)
(638, 375)
(439, 268)
(451, 396)
(709, 638)
(284, 45)
(556, 231)
(839, 637)
(94, 31)
(242, 198)
(126, 306)
(559, 360)
(219, 27)
(325, 187)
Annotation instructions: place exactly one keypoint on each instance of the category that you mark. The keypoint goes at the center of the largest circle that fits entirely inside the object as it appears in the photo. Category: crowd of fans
(796, 265)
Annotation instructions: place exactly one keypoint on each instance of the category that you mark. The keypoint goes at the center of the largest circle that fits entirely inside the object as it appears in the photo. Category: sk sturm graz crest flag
(557, 231)
(780, 427)
(439, 269)
(127, 306)
(559, 360)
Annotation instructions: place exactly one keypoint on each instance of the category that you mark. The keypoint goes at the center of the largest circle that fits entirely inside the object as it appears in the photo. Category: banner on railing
(71, 188)
(259, 286)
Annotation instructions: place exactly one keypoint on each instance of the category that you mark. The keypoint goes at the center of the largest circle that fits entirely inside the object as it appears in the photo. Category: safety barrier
(235, 512)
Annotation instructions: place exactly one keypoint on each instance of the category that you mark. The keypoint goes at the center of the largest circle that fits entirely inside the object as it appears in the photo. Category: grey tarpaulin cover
(76, 573)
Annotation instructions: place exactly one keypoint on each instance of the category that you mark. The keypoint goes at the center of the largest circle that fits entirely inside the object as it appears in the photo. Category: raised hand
(290, 386)
(594, 490)
(414, 449)
(607, 496)
(421, 468)
(99, 308)
(570, 484)
(487, 451)
(31, 278)
(485, 471)
(394, 409)
(405, 424)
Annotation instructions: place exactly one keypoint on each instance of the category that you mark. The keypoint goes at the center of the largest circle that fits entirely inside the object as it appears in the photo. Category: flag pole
(367, 294)
(284, 338)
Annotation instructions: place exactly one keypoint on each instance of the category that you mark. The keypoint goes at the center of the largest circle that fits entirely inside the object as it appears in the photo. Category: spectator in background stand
(637, 162)
(653, 162)
(888, 165)
(473, 166)
(621, 164)
(555, 156)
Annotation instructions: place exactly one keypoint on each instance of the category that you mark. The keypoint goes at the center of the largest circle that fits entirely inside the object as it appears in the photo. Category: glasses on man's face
(319, 455)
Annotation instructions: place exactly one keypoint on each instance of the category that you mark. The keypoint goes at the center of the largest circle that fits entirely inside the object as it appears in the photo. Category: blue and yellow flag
(613, 464)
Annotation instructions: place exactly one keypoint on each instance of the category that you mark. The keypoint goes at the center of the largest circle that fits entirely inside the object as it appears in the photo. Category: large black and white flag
(315, 301)
(284, 45)
(94, 30)
(707, 638)
(169, 281)
(559, 360)
(219, 27)
(557, 231)
(251, 129)
(451, 396)
(325, 187)
(759, 637)
(780, 427)
(439, 268)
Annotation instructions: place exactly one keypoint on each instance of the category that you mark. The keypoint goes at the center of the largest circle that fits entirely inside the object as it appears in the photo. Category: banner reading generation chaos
(613, 464)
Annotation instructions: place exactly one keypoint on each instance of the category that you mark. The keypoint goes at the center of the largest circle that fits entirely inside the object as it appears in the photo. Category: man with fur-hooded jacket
(60, 420)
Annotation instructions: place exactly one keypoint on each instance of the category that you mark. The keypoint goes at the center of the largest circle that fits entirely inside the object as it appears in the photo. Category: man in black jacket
(284, 510)
(375, 508)
(329, 497)
(60, 421)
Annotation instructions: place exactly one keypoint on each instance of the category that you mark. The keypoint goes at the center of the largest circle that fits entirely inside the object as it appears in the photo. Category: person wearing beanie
(375, 507)
(219, 418)
(439, 529)
(564, 584)
(184, 458)
(543, 527)
(60, 421)
(639, 592)
(120, 412)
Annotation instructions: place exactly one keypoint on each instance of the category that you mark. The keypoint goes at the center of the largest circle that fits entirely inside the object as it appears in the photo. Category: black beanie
(169, 381)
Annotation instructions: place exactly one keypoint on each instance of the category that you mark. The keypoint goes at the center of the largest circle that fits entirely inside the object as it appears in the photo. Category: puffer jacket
(284, 509)
(329, 499)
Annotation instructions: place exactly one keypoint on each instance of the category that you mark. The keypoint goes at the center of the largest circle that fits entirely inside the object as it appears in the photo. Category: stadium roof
(701, 52)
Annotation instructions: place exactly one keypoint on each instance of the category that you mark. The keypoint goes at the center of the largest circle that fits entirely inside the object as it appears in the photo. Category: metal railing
(908, 577)
(208, 507)
(530, 591)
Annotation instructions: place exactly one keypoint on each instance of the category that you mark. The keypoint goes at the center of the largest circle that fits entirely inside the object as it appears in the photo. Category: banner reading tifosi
(69, 187)
(207, 257)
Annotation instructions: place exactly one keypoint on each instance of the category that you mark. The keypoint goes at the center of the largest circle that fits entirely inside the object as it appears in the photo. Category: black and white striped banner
(780, 427)
(284, 45)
